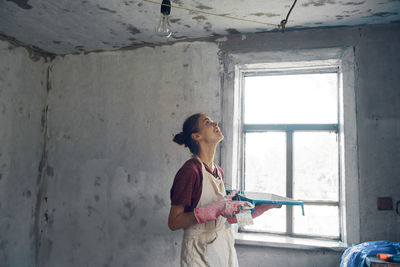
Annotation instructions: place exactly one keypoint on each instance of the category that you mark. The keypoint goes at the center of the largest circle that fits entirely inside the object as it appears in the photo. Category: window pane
(316, 166)
(318, 220)
(273, 220)
(284, 99)
(265, 162)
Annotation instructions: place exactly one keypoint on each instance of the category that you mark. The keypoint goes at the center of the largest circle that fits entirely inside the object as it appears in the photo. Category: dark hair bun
(179, 138)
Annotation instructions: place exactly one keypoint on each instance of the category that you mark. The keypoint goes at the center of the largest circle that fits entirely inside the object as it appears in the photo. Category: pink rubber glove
(225, 207)
(260, 209)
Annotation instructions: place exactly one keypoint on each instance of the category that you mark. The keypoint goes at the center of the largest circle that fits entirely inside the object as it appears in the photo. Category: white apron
(211, 243)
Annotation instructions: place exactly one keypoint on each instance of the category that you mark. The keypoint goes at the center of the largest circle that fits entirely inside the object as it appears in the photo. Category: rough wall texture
(111, 155)
(379, 130)
(22, 100)
(103, 193)
(378, 120)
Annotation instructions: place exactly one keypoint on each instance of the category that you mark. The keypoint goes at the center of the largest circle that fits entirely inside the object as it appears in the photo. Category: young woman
(199, 203)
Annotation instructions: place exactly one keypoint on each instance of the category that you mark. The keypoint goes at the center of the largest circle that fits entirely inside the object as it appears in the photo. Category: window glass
(265, 162)
(318, 221)
(315, 163)
(284, 99)
(273, 220)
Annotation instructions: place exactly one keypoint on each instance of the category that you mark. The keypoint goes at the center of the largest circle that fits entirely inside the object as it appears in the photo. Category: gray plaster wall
(377, 91)
(22, 105)
(111, 121)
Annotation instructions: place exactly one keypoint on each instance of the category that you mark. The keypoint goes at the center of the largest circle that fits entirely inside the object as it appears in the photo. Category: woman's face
(209, 130)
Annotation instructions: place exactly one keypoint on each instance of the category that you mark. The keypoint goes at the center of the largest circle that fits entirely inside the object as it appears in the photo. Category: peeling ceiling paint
(65, 26)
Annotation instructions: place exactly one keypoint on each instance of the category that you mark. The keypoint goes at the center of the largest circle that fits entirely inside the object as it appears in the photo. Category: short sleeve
(185, 188)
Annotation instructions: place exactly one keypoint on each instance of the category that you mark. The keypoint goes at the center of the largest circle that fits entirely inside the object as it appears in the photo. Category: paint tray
(257, 198)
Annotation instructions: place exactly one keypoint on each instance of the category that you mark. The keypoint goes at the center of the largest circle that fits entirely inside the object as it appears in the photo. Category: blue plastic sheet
(355, 256)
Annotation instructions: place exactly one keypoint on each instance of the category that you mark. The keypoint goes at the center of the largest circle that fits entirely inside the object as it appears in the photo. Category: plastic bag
(355, 256)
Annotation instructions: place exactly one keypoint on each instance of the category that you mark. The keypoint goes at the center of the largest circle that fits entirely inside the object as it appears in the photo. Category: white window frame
(231, 150)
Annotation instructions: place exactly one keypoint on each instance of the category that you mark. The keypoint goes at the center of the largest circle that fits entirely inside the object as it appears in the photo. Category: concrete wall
(111, 155)
(104, 195)
(22, 102)
(378, 123)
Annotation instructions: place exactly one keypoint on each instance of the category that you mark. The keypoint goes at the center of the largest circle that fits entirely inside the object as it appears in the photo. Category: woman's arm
(178, 218)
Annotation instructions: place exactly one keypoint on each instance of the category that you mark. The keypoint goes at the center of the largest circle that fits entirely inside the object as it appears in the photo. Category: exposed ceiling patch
(352, 3)
(21, 3)
(384, 14)
(201, 6)
(269, 15)
(174, 20)
(106, 9)
(199, 17)
(232, 31)
(318, 3)
(133, 30)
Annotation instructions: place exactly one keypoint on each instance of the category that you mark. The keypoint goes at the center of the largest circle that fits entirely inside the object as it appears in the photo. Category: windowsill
(266, 240)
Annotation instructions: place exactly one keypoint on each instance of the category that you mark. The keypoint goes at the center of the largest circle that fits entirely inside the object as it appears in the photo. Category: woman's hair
(185, 137)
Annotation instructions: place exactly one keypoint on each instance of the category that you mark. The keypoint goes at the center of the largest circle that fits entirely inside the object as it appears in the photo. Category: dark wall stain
(3, 244)
(21, 3)
(187, 26)
(318, 3)
(56, 42)
(160, 203)
(201, 6)
(143, 223)
(90, 210)
(49, 171)
(80, 47)
(178, 2)
(180, 37)
(269, 15)
(96, 198)
(1, 176)
(97, 181)
(352, 3)
(133, 30)
(208, 27)
(200, 17)
(27, 194)
(128, 209)
(106, 9)
(140, 4)
(232, 31)
(384, 14)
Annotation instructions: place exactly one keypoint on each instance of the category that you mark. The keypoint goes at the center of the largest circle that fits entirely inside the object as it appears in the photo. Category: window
(279, 122)
(290, 147)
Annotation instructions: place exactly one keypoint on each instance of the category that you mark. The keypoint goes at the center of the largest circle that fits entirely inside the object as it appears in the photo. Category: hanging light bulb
(164, 27)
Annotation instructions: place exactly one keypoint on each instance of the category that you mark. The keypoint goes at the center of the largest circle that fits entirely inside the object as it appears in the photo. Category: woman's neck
(207, 154)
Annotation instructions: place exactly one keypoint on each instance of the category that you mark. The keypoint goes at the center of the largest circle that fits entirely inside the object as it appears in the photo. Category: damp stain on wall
(201, 6)
(106, 9)
(269, 15)
(21, 3)
(352, 3)
(199, 18)
(232, 31)
(318, 3)
(133, 30)
(128, 209)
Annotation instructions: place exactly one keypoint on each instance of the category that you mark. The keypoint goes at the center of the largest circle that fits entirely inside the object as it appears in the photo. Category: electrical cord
(281, 26)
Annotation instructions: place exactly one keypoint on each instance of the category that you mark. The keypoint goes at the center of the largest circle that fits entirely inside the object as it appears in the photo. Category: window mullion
(289, 180)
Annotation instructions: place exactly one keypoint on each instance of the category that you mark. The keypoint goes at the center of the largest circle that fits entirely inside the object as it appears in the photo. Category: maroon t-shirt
(188, 184)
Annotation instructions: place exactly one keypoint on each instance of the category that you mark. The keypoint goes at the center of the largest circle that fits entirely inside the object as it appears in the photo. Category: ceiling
(73, 26)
